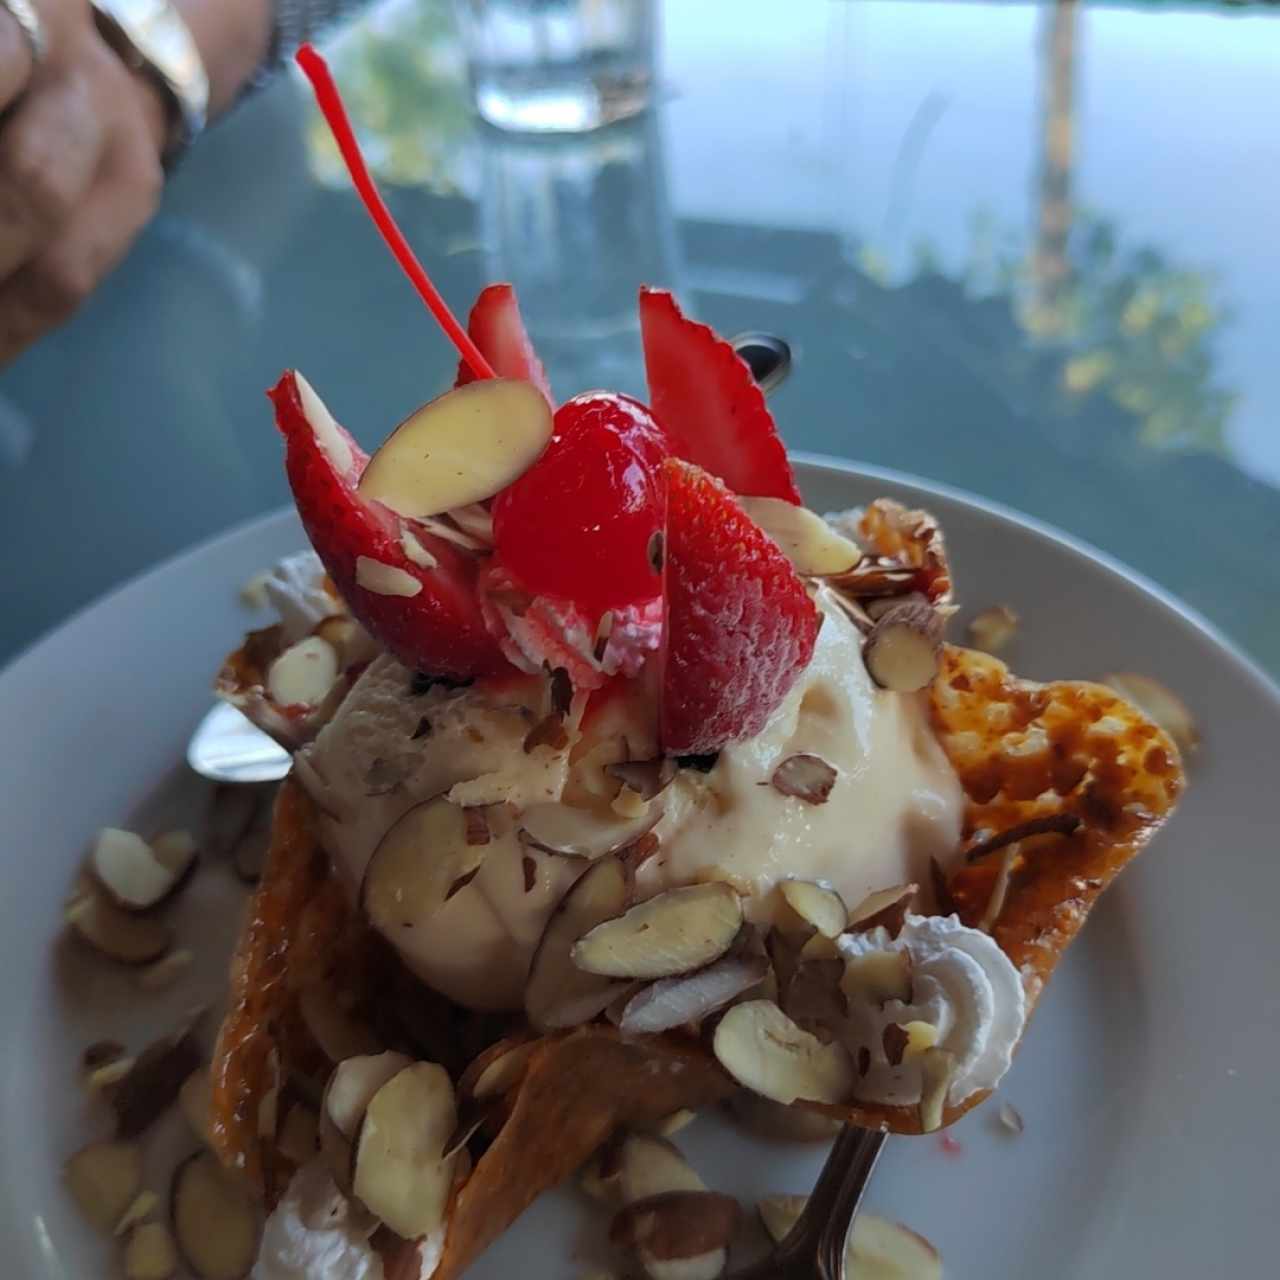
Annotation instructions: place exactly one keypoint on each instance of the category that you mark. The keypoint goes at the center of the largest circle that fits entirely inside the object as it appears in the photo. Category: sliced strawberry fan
(703, 394)
(497, 329)
(739, 625)
(440, 628)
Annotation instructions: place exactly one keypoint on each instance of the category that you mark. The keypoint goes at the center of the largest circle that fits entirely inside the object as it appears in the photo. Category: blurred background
(1025, 250)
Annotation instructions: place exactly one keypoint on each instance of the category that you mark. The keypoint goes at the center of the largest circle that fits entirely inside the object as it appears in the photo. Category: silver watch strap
(296, 22)
(152, 39)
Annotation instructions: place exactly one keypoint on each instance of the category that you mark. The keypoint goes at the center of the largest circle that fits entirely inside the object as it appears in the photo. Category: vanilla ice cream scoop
(887, 803)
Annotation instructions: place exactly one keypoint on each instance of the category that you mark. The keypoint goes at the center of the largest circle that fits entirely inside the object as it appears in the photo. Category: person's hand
(80, 173)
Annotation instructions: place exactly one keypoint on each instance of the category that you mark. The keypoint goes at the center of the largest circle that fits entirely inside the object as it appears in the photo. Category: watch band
(153, 39)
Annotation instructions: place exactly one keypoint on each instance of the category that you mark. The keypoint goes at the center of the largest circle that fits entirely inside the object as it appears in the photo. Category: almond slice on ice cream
(673, 932)
(401, 1175)
(690, 997)
(878, 977)
(901, 650)
(416, 867)
(817, 904)
(104, 1178)
(805, 777)
(346, 1097)
(125, 866)
(884, 907)
(303, 674)
(583, 833)
(214, 1220)
(558, 993)
(762, 1049)
(679, 1235)
(993, 629)
(805, 538)
(937, 1066)
(460, 448)
(876, 1247)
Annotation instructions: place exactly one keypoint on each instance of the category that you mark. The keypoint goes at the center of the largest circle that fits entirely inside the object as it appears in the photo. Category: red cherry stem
(330, 102)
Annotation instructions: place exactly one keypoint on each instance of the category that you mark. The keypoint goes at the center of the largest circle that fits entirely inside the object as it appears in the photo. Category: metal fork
(814, 1247)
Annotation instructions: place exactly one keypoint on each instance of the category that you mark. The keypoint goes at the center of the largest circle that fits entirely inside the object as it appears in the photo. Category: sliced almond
(818, 947)
(303, 674)
(126, 868)
(878, 977)
(416, 866)
(689, 1227)
(670, 1125)
(151, 1253)
(463, 447)
(1159, 703)
(673, 932)
(876, 1248)
(336, 1030)
(993, 629)
(690, 997)
(195, 1100)
(155, 1081)
(105, 1078)
(474, 520)
(806, 539)
(346, 1098)
(583, 833)
(446, 529)
(412, 546)
(143, 1206)
(919, 1037)
(806, 777)
(498, 1069)
(762, 1049)
(647, 778)
(818, 904)
(214, 1220)
(901, 651)
(937, 1066)
(813, 998)
(104, 1178)
(884, 907)
(177, 850)
(558, 993)
(385, 579)
(329, 436)
(1011, 1118)
(400, 1173)
(166, 971)
(651, 1166)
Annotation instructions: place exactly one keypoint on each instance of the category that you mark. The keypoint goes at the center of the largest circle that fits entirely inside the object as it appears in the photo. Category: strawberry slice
(739, 625)
(703, 394)
(496, 328)
(439, 629)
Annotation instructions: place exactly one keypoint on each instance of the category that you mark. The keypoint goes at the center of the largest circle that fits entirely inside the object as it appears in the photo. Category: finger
(49, 151)
(50, 287)
(16, 62)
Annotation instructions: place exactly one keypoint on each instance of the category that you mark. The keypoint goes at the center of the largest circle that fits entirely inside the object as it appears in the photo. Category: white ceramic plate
(1147, 1082)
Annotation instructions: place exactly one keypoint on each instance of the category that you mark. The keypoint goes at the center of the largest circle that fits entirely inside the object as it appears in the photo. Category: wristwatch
(153, 40)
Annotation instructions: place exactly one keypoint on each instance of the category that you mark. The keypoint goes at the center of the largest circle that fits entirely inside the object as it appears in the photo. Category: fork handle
(838, 1193)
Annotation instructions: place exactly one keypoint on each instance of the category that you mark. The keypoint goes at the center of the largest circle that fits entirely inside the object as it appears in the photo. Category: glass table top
(1028, 252)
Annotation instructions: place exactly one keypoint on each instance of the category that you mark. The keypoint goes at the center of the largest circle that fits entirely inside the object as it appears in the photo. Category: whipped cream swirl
(962, 985)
